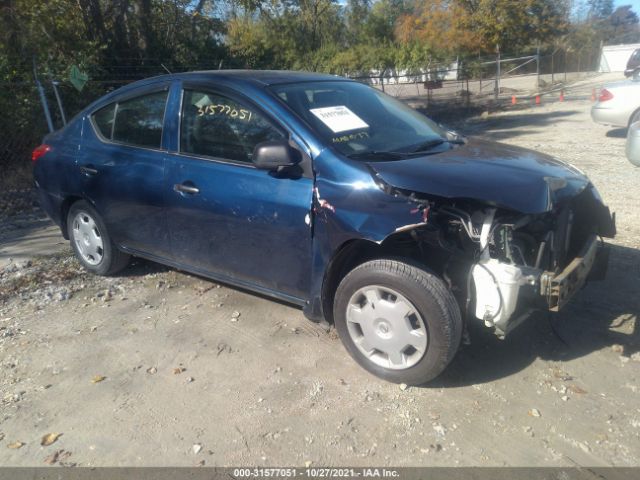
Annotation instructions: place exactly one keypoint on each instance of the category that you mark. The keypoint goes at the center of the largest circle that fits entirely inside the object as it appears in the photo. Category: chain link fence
(23, 123)
(476, 82)
(486, 80)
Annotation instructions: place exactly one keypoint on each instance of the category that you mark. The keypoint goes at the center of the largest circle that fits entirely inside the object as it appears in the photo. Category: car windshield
(360, 121)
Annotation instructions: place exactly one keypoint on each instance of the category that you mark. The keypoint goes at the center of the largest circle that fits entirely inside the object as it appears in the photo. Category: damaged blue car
(330, 195)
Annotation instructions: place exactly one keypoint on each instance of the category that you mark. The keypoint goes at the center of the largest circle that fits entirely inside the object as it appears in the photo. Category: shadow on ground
(603, 314)
(617, 133)
(510, 126)
(14, 228)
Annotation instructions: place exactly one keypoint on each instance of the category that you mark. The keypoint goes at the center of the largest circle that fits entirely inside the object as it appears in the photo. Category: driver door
(226, 218)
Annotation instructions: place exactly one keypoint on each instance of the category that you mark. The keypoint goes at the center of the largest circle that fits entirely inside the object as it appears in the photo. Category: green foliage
(604, 25)
(118, 41)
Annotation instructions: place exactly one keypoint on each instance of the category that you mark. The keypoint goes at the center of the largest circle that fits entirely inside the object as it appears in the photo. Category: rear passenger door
(122, 167)
(228, 219)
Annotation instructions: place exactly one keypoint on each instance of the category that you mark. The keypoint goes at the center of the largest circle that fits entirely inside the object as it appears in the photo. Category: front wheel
(91, 242)
(398, 321)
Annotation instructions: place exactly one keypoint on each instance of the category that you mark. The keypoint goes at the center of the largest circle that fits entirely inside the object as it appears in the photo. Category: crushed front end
(502, 265)
(529, 262)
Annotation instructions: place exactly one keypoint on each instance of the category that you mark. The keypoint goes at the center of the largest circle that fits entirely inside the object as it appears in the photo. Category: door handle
(89, 171)
(184, 188)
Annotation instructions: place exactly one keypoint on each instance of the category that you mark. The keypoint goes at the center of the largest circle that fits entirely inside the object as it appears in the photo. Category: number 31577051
(227, 110)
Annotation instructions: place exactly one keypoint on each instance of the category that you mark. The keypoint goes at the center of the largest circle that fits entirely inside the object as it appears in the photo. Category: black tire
(112, 260)
(431, 299)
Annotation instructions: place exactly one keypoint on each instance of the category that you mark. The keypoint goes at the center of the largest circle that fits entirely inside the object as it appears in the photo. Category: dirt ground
(157, 367)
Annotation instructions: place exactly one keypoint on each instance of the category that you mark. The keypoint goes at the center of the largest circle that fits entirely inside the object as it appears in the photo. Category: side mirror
(275, 154)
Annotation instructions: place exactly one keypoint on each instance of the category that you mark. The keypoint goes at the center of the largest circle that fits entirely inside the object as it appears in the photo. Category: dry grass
(16, 176)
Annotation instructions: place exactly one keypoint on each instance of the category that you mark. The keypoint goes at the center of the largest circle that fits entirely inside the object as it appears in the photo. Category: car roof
(256, 77)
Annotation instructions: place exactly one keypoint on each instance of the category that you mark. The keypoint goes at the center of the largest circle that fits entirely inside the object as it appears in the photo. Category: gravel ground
(157, 367)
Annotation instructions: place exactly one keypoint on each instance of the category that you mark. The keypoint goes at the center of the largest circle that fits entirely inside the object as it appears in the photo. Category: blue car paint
(510, 177)
(277, 236)
(127, 192)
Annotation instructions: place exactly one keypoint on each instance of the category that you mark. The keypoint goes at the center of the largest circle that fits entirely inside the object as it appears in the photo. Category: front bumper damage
(507, 294)
(559, 289)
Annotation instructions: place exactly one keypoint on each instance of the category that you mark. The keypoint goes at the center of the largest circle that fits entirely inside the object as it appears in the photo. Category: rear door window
(217, 126)
(103, 120)
(137, 121)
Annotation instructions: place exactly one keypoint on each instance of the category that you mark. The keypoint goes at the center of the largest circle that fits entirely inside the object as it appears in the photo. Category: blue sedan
(329, 195)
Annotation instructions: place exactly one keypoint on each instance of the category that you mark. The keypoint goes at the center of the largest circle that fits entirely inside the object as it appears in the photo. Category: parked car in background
(633, 144)
(633, 64)
(328, 194)
(618, 104)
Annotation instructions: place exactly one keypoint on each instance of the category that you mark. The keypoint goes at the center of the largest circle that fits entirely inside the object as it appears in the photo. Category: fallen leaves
(15, 445)
(57, 456)
(98, 379)
(179, 370)
(576, 389)
(49, 439)
(561, 375)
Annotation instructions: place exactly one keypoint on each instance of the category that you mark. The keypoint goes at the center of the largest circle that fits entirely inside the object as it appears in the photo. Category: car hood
(502, 175)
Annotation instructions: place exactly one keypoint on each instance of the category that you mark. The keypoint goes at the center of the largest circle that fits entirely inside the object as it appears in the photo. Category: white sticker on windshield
(339, 118)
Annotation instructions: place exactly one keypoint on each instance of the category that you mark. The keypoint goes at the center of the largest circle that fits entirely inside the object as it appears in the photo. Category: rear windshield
(355, 118)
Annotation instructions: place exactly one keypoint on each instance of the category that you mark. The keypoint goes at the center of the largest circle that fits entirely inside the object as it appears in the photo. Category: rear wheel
(91, 242)
(397, 320)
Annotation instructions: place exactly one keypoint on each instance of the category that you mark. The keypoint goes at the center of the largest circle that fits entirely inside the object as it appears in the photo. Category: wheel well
(64, 211)
(356, 252)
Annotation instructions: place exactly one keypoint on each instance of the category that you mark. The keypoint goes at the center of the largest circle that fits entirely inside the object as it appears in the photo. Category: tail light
(605, 95)
(39, 152)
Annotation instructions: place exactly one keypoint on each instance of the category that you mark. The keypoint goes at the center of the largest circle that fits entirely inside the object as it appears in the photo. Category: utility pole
(497, 90)
(538, 67)
(43, 98)
(55, 84)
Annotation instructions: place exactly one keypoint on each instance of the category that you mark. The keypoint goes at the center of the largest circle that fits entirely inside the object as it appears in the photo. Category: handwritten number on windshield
(227, 110)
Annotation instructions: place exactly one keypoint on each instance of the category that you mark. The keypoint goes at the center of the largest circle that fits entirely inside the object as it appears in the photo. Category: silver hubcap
(386, 327)
(87, 238)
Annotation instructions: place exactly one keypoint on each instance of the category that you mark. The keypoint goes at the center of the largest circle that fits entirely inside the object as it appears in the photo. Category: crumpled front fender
(345, 211)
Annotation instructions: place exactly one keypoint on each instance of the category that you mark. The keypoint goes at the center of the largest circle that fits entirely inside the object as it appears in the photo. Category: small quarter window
(139, 120)
(103, 120)
(217, 126)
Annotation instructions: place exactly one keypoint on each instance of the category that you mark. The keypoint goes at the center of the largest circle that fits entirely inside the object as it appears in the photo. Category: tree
(444, 25)
(356, 14)
(622, 26)
(473, 26)
(599, 9)
(517, 25)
